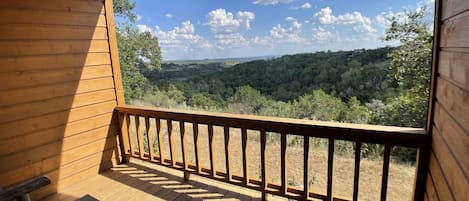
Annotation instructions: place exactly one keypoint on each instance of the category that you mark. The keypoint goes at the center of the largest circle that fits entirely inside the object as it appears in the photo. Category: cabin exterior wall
(57, 91)
(448, 171)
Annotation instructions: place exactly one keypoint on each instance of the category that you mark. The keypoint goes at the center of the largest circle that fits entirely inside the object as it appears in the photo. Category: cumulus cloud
(270, 2)
(303, 6)
(291, 34)
(180, 38)
(232, 40)
(320, 34)
(221, 21)
(359, 22)
(290, 19)
(168, 15)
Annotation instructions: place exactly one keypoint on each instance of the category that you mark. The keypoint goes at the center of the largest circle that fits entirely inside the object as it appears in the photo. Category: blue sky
(200, 29)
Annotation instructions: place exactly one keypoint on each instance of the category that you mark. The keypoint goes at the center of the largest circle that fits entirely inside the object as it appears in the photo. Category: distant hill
(361, 73)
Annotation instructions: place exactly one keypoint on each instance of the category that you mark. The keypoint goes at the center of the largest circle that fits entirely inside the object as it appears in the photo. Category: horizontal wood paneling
(38, 78)
(23, 16)
(454, 32)
(52, 32)
(38, 123)
(48, 47)
(441, 185)
(41, 62)
(19, 96)
(455, 138)
(449, 164)
(453, 7)
(48, 166)
(456, 179)
(453, 67)
(90, 6)
(17, 160)
(57, 95)
(23, 142)
(430, 190)
(455, 101)
(23, 111)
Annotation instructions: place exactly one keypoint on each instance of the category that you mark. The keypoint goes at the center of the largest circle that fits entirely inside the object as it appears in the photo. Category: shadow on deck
(140, 180)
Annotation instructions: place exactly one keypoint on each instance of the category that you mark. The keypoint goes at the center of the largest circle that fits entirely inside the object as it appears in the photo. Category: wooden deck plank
(144, 181)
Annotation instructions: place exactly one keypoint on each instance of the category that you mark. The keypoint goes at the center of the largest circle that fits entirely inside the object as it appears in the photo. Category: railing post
(421, 171)
(123, 137)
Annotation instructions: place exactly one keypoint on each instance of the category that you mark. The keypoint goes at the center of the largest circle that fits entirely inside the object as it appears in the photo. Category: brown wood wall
(448, 173)
(57, 91)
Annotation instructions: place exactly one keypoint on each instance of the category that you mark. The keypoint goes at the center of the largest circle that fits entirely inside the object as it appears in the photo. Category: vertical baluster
(149, 138)
(330, 163)
(210, 141)
(384, 181)
(305, 167)
(226, 131)
(263, 165)
(160, 140)
(131, 139)
(124, 137)
(139, 136)
(356, 176)
(244, 139)
(283, 162)
(182, 130)
(195, 128)
(171, 141)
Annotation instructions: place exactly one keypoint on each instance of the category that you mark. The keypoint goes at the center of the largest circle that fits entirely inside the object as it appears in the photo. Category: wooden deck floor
(140, 181)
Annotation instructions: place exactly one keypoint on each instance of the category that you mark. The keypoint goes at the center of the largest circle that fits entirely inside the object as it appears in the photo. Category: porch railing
(330, 131)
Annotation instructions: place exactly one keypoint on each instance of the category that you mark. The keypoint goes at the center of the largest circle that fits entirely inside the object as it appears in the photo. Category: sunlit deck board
(144, 181)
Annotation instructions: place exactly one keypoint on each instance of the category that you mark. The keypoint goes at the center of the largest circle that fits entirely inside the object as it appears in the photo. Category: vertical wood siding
(57, 91)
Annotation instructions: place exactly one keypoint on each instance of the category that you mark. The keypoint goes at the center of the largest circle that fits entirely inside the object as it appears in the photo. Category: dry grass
(401, 176)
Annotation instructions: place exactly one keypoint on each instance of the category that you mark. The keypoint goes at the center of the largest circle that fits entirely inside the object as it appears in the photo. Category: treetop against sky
(199, 29)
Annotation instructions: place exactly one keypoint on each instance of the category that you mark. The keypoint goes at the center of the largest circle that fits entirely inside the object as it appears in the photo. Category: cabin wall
(57, 91)
(448, 173)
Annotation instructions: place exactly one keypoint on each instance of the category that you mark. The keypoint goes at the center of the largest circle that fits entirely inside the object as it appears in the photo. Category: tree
(138, 51)
(318, 106)
(410, 67)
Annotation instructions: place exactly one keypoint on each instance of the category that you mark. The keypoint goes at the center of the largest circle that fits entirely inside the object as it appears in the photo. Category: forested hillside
(360, 73)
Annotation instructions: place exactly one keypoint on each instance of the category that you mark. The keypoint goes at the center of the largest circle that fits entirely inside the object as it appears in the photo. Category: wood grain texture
(452, 8)
(58, 93)
(49, 47)
(42, 93)
(48, 17)
(453, 67)
(454, 32)
(457, 181)
(42, 62)
(56, 5)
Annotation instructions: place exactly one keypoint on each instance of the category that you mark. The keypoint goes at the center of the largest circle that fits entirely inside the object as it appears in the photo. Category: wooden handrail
(332, 131)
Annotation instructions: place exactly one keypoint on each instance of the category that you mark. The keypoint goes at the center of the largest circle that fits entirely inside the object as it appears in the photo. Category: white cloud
(270, 2)
(320, 34)
(232, 40)
(168, 15)
(143, 28)
(246, 17)
(359, 22)
(291, 34)
(180, 39)
(306, 5)
(221, 21)
(262, 41)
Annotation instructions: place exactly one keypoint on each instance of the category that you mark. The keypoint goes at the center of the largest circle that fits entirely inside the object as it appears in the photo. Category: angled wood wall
(448, 174)
(57, 91)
